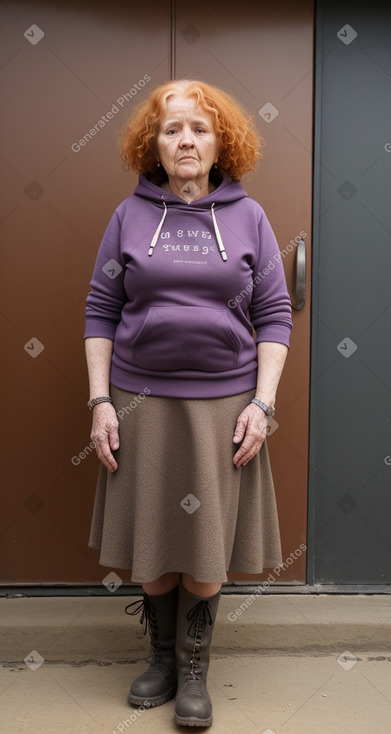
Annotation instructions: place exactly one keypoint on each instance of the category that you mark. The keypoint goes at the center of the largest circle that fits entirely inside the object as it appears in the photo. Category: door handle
(300, 276)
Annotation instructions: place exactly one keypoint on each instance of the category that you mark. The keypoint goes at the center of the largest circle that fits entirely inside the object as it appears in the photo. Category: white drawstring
(216, 228)
(156, 235)
(218, 236)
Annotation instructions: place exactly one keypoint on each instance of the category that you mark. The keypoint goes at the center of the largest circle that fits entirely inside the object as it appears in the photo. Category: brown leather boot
(159, 683)
(196, 619)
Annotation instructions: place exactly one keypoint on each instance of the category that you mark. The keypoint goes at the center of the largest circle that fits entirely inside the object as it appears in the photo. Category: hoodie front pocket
(186, 338)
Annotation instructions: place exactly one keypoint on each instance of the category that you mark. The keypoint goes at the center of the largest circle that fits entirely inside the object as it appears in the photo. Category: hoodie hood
(226, 193)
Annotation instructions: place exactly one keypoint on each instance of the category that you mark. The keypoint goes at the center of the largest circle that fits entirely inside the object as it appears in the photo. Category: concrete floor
(288, 664)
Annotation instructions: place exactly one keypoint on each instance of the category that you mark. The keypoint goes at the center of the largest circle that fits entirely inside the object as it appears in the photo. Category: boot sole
(192, 721)
(151, 702)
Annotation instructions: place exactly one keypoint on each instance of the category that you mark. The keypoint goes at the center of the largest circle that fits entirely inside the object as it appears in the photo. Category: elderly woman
(187, 329)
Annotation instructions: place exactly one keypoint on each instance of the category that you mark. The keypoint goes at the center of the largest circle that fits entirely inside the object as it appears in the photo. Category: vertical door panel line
(318, 77)
(173, 41)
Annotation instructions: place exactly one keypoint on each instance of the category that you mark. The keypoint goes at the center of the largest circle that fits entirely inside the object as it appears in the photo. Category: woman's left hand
(251, 429)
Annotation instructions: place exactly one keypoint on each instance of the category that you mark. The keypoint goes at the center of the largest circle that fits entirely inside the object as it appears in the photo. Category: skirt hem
(200, 578)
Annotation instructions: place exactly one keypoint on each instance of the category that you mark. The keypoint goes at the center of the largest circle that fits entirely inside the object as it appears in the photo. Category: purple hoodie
(179, 287)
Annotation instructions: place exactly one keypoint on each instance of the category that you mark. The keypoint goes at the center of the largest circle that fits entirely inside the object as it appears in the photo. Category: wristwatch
(266, 408)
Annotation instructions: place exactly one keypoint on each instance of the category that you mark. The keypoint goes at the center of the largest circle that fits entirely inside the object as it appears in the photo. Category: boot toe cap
(194, 708)
(152, 687)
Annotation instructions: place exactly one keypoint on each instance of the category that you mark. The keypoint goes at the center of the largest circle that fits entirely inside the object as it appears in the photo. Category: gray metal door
(350, 472)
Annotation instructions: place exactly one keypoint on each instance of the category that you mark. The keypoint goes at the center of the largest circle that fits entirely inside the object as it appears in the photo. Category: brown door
(71, 78)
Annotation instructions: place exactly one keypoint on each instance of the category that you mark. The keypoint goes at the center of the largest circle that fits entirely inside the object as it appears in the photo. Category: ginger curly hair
(235, 128)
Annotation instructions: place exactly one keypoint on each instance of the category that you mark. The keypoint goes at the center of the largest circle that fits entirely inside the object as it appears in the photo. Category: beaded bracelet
(95, 401)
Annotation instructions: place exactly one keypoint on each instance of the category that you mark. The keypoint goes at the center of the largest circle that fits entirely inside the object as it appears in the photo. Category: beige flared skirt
(176, 501)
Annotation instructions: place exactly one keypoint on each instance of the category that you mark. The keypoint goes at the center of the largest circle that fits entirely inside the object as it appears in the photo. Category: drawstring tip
(224, 256)
(150, 251)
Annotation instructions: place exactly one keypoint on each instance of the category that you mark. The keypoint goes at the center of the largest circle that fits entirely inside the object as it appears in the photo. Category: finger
(240, 430)
(241, 456)
(247, 452)
(243, 451)
(109, 462)
(242, 460)
(105, 455)
(114, 436)
(247, 443)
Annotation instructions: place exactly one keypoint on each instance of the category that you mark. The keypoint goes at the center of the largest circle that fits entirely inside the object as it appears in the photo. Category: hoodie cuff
(99, 329)
(275, 333)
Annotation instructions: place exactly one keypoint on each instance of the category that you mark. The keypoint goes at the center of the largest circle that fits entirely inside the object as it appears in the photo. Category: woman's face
(187, 145)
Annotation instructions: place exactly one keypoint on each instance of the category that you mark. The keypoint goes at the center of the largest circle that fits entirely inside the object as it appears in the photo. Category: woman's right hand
(104, 434)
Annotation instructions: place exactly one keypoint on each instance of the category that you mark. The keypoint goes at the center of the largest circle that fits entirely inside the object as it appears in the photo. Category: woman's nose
(186, 138)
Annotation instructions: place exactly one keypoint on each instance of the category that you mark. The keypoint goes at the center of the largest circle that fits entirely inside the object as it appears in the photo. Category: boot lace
(199, 616)
(148, 618)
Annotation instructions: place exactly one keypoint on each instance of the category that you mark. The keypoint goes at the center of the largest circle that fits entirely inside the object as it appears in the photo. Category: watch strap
(266, 408)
